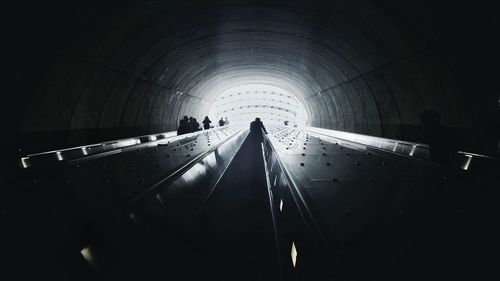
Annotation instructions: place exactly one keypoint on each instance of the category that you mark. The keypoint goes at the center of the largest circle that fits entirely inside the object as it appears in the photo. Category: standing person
(206, 123)
(256, 129)
(191, 125)
(221, 122)
(195, 125)
(183, 126)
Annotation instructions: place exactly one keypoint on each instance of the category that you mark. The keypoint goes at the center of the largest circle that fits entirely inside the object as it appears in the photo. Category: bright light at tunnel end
(273, 105)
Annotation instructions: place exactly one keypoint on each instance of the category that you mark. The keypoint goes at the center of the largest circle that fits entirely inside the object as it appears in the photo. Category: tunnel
(345, 184)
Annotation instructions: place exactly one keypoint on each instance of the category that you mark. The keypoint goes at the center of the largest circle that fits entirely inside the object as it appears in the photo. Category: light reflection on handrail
(296, 192)
(109, 146)
(406, 148)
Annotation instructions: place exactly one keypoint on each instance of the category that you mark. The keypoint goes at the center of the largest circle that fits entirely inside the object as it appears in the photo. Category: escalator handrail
(304, 209)
(154, 189)
(86, 150)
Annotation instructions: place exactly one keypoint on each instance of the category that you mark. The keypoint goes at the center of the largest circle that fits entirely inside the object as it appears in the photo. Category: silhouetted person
(183, 126)
(206, 123)
(442, 142)
(195, 126)
(221, 122)
(256, 129)
(191, 125)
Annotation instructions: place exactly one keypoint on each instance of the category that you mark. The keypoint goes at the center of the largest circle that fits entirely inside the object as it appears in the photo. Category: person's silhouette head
(257, 119)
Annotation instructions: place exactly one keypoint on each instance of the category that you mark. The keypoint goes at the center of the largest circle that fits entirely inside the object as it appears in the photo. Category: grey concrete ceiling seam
(360, 116)
(92, 79)
(83, 108)
(384, 105)
(285, 75)
(361, 88)
(117, 100)
(390, 85)
(148, 104)
(162, 75)
(249, 79)
(348, 112)
(131, 94)
(227, 49)
(290, 84)
(197, 17)
(216, 87)
(134, 97)
(227, 36)
(298, 75)
(371, 94)
(392, 95)
(164, 108)
(295, 94)
(229, 64)
(406, 96)
(334, 107)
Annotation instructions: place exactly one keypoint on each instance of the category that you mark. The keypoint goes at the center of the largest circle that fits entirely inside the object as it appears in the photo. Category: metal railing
(297, 231)
(465, 160)
(106, 148)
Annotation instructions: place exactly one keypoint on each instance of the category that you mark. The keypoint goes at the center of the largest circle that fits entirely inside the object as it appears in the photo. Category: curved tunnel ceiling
(369, 67)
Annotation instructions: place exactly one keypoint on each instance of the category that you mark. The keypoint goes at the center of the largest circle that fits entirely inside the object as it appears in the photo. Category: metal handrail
(405, 148)
(177, 173)
(298, 196)
(108, 147)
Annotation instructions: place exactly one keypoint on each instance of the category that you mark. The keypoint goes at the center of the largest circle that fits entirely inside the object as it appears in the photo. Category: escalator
(235, 226)
(213, 221)
(291, 206)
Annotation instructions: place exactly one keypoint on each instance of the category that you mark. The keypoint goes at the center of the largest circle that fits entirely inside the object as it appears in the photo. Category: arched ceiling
(134, 67)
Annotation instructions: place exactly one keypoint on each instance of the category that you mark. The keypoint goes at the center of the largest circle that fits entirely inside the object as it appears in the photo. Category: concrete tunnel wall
(105, 71)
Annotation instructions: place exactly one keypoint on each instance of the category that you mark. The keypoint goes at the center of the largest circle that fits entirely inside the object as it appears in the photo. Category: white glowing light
(273, 105)
(87, 255)
(413, 148)
(197, 171)
(129, 142)
(293, 254)
(59, 156)
(281, 205)
(467, 162)
(84, 151)
(24, 162)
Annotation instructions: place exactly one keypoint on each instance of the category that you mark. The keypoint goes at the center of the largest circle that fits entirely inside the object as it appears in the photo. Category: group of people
(190, 125)
(223, 122)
